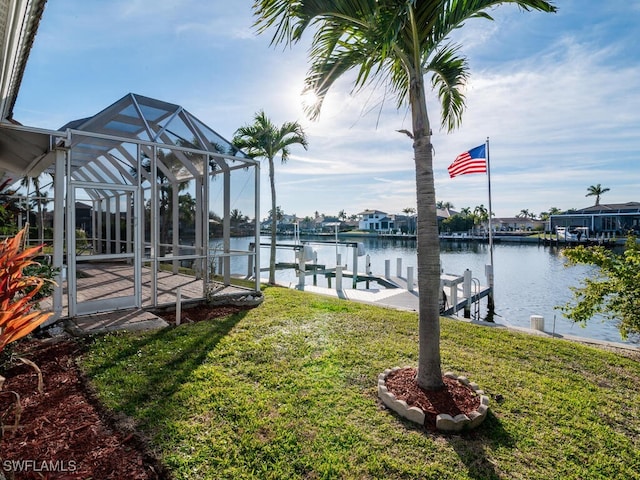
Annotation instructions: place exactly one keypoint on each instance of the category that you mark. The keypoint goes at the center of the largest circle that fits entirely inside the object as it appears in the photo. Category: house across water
(614, 219)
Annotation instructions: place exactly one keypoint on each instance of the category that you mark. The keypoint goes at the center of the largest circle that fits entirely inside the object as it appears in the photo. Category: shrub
(18, 296)
(18, 290)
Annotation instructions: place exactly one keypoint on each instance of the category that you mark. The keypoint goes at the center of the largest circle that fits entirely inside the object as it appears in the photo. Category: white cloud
(558, 96)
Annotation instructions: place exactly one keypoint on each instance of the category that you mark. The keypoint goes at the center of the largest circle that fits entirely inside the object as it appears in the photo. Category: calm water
(529, 279)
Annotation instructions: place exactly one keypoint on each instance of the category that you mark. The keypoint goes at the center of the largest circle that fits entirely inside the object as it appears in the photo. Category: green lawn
(288, 390)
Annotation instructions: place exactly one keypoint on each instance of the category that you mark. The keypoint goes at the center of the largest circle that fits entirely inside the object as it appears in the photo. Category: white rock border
(444, 422)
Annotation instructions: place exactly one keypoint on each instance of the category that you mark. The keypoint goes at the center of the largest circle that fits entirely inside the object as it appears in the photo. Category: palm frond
(450, 74)
(394, 39)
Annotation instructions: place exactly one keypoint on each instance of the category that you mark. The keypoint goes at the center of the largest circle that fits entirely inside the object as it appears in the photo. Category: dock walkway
(398, 297)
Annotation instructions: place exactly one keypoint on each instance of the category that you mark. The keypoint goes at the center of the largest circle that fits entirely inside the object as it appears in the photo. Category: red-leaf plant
(16, 302)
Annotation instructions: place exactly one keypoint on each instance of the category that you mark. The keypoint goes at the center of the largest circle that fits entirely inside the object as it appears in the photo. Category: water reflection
(530, 279)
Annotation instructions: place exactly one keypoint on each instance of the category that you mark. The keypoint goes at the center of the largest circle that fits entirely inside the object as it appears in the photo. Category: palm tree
(399, 41)
(480, 214)
(524, 213)
(596, 191)
(40, 201)
(448, 206)
(264, 140)
(409, 212)
(554, 211)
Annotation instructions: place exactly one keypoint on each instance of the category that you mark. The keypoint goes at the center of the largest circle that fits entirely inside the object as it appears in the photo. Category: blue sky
(557, 94)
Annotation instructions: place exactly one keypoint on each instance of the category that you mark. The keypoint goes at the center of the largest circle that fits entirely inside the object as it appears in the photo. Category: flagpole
(490, 210)
(490, 305)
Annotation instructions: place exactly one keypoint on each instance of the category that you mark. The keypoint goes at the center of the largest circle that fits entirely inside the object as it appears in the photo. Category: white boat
(574, 234)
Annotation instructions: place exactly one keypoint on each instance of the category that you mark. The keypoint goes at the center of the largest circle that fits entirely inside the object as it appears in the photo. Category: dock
(459, 292)
(586, 242)
(396, 293)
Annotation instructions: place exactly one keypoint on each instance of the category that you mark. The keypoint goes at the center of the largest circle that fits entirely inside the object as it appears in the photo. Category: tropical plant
(39, 199)
(457, 223)
(465, 212)
(168, 167)
(411, 221)
(10, 208)
(596, 191)
(263, 139)
(444, 205)
(18, 292)
(614, 292)
(554, 211)
(399, 41)
(481, 214)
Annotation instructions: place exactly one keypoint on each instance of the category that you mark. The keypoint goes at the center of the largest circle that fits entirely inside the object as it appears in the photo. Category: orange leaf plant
(16, 316)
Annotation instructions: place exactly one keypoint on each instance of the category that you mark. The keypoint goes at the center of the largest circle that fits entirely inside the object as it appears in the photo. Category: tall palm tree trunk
(429, 369)
(272, 257)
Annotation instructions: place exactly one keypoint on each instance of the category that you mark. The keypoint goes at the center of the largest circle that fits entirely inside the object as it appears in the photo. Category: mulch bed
(63, 432)
(454, 399)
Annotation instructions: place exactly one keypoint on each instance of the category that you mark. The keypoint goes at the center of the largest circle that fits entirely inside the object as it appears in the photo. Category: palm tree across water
(596, 191)
(398, 41)
(263, 139)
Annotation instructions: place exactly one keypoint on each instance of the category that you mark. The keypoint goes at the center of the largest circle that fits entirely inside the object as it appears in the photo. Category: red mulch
(64, 433)
(455, 398)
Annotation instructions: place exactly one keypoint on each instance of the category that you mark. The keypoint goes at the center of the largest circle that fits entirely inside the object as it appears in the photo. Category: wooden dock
(361, 277)
(554, 241)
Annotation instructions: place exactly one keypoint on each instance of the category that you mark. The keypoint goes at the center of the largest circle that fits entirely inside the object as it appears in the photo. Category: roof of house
(515, 219)
(608, 208)
(19, 23)
(369, 212)
(604, 209)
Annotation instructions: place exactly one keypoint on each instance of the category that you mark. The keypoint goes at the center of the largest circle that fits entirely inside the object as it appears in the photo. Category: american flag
(473, 161)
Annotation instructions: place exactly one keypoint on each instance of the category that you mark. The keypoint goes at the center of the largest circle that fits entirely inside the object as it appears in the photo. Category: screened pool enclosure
(146, 199)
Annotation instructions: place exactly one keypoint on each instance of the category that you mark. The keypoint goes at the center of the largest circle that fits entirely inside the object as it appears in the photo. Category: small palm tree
(480, 214)
(396, 41)
(263, 139)
(554, 211)
(40, 201)
(444, 205)
(596, 191)
(410, 212)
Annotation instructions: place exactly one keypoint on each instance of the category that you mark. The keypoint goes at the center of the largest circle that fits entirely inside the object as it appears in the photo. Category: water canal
(530, 279)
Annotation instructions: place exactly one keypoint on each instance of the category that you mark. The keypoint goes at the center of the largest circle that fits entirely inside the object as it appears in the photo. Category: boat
(573, 234)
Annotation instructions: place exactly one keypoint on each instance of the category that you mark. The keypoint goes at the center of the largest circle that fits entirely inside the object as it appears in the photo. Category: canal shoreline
(546, 239)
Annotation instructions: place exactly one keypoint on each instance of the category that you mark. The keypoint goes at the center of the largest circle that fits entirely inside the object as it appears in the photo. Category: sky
(557, 95)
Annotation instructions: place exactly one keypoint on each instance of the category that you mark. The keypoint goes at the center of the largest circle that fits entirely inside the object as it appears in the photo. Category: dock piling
(537, 322)
(466, 292)
(338, 277)
(410, 279)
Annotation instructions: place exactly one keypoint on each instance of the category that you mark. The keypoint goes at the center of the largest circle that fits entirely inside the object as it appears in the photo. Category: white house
(376, 220)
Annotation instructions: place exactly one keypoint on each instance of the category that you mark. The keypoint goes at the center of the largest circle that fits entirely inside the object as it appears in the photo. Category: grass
(288, 390)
